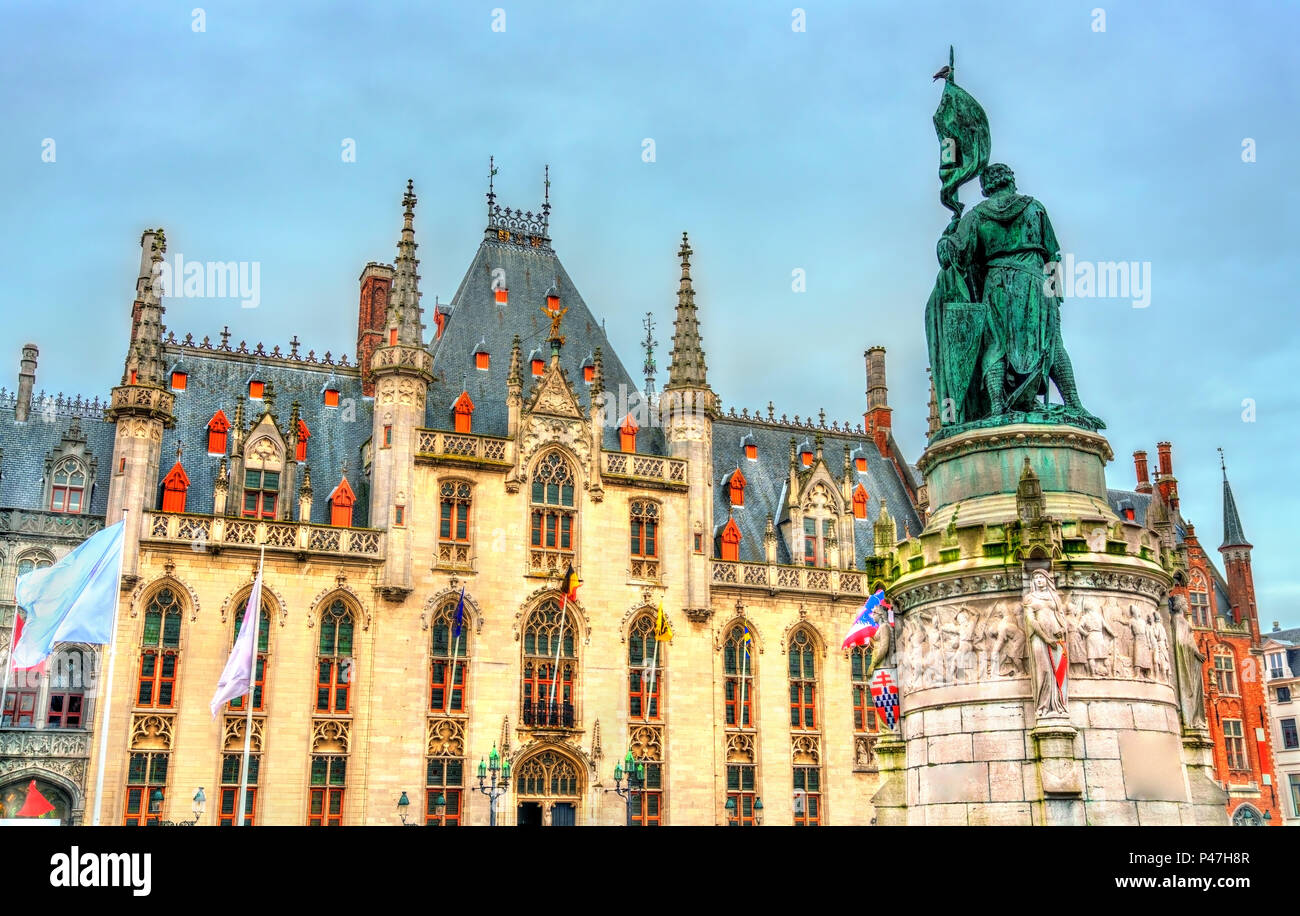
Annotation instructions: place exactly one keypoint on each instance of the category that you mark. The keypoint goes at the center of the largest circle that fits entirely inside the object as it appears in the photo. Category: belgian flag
(570, 584)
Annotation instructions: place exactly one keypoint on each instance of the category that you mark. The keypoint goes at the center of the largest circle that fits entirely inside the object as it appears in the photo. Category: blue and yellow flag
(746, 640)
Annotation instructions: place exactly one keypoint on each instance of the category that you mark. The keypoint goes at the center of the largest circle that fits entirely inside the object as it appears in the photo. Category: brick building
(1225, 620)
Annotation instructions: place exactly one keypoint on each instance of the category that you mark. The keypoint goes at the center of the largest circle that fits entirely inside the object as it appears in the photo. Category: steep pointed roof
(523, 258)
(688, 369)
(404, 310)
(1233, 535)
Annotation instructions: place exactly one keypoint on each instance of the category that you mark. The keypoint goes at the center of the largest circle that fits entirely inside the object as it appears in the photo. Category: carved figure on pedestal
(1009, 645)
(1099, 638)
(1142, 644)
(914, 661)
(1160, 641)
(962, 660)
(1190, 662)
(1046, 628)
(933, 667)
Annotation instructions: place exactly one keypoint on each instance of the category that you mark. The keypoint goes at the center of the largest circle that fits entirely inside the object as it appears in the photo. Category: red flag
(36, 804)
(18, 632)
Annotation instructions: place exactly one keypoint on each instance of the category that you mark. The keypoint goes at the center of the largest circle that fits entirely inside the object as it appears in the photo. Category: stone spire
(688, 369)
(1233, 535)
(144, 357)
(404, 312)
(935, 422)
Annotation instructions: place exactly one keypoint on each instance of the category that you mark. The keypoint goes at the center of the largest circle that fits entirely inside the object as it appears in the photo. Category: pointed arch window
(73, 670)
(738, 677)
(1198, 600)
(263, 644)
(449, 655)
(547, 696)
(160, 647)
(554, 516)
(175, 487)
(865, 719)
(803, 681)
(68, 489)
(645, 539)
(647, 671)
(334, 659)
(1225, 673)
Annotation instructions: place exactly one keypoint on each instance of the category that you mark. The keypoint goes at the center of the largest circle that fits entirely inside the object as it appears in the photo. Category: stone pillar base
(1060, 775)
(890, 800)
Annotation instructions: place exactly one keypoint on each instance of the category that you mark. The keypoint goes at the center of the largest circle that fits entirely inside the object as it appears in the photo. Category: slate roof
(26, 445)
(476, 316)
(767, 479)
(221, 382)
(1233, 536)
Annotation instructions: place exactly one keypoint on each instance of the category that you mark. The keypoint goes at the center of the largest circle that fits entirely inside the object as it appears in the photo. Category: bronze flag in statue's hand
(964, 140)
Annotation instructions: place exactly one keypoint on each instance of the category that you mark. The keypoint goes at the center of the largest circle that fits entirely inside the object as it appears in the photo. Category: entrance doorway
(529, 815)
(549, 786)
(564, 814)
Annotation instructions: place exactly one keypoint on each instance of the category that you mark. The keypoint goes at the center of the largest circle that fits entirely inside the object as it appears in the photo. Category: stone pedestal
(1007, 503)
(890, 800)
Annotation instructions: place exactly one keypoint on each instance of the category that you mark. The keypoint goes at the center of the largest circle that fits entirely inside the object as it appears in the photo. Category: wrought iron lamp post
(635, 772)
(494, 791)
(156, 803)
(733, 816)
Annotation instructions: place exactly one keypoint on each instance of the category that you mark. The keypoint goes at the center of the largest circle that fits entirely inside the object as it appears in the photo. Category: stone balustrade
(441, 444)
(207, 532)
(50, 524)
(774, 578)
(643, 468)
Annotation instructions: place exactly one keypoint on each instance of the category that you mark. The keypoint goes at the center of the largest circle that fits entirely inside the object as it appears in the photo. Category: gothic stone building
(483, 456)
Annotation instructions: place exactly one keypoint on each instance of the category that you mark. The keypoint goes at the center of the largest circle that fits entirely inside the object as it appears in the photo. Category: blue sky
(778, 150)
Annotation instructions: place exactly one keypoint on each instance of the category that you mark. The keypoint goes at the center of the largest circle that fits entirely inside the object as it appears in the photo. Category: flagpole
(446, 700)
(240, 811)
(107, 692)
(654, 664)
(9, 662)
(555, 675)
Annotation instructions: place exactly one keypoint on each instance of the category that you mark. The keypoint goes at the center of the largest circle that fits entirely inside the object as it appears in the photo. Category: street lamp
(733, 818)
(200, 802)
(758, 811)
(494, 791)
(635, 773)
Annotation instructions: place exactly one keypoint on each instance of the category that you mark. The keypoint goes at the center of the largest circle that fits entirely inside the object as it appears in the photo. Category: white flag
(238, 673)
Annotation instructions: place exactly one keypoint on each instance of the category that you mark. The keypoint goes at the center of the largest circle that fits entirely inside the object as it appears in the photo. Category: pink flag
(238, 673)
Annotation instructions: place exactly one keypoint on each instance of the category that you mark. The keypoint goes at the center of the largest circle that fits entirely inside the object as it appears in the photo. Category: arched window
(645, 539)
(865, 719)
(159, 651)
(738, 673)
(68, 489)
(803, 681)
(1198, 599)
(263, 643)
(334, 659)
(818, 527)
(455, 499)
(553, 514)
(31, 562)
(73, 670)
(647, 670)
(448, 661)
(1225, 672)
(548, 774)
(548, 634)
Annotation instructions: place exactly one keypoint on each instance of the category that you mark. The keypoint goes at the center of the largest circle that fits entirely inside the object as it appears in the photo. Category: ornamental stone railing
(50, 524)
(644, 468)
(44, 742)
(208, 532)
(774, 578)
(439, 443)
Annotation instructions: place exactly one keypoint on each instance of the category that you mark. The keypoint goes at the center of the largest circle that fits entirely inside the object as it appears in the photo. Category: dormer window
(256, 390)
(218, 427)
(341, 502)
(331, 397)
(303, 435)
(261, 492)
(860, 502)
(751, 452)
(69, 489)
(179, 380)
(392, 337)
(860, 462)
(589, 370)
(730, 541)
(627, 434)
(463, 412)
(536, 362)
(481, 358)
(501, 294)
(736, 487)
(806, 458)
(175, 486)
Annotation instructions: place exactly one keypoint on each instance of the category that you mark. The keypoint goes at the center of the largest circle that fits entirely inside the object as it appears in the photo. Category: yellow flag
(663, 632)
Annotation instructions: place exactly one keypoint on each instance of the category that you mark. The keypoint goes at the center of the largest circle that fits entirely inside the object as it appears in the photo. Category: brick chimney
(26, 381)
(1165, 478)
(372, 315)
(877, 417)
(1140, 466)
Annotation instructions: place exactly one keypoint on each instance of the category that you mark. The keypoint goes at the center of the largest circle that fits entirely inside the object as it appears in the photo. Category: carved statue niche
(1190, 664)
(1143, 654)
(1046, 629)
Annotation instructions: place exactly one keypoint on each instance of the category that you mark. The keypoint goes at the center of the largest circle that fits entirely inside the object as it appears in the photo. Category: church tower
(402, 369)
(1236, 562)
(142, 406)
(688, 406)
